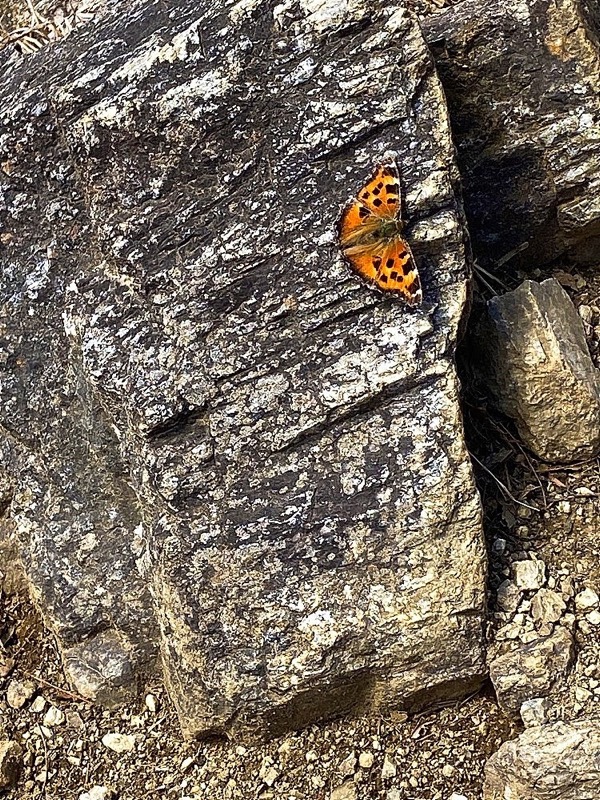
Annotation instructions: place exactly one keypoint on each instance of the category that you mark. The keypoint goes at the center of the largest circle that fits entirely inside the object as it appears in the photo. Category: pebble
(586, 599)
(593, 617)
(38, 705)
(54, 716)
(366, 760)
(347, 791)
(508, 596)
(19, 692)
(529, 574)
(582, 695)
(119, 742)
(151, 703)
(97, 793)
(348, 765)
(534, 711)
(389, 768)
(269, 776)
(43, 731)
(547, 606)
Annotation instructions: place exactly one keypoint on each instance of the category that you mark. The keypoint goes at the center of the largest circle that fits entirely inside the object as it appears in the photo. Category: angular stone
(101, 669)
(538, 370)
(531, 670)
(547, 606)
(509, 596)
(530, 574)
(535, 711)
(19, 692)
(557, 761)
(586, 600)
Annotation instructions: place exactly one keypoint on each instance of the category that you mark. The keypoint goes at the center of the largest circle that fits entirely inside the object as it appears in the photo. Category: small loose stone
(593, 617)
(366, 760)
(347, 791)
(348, 765)
(389, 768)
(97, 793)
(529, 574)
(119, 742)
(151, 703)
(586, 600)
(19, 692)
(54, 716)
(38, 705)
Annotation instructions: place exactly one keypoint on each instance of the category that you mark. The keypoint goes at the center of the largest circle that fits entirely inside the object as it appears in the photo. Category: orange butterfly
(370, 234)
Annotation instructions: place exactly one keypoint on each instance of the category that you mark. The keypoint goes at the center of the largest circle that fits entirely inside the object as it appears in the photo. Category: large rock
(522, 78)
(558, 761)
(535, 359)
(196, 379)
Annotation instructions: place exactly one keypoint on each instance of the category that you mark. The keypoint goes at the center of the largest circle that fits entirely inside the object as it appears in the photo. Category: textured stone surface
(558, 761)
(10, 763)
(522, 79)
(531, 670)
(280, 446)
(100, 668)
(538, 369)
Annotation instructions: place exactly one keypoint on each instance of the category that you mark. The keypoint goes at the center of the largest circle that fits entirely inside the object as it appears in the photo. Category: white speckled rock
(277, 443)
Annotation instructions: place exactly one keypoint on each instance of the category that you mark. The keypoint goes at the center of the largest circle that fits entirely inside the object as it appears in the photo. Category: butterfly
(370, 236)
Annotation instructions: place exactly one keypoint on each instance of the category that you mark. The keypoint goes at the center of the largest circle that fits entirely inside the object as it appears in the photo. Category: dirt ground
(530, 507)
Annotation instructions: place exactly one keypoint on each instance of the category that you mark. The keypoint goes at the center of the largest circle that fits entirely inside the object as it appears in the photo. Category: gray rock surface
(536, 363)
(558, 761)
(532, 669)
(100, 668)
(199, 384)
(522, 78)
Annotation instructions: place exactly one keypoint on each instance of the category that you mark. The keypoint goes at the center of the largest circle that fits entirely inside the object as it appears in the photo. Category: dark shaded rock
(10, 763)
(197, 379)
(538, 370)
(558, 761)
(522, 80)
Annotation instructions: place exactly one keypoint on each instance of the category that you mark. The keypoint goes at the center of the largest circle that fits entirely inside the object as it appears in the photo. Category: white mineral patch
(324, 15)
(320, 626)
(243, 9)
(301, 73)
(213, 84)
(154, 51)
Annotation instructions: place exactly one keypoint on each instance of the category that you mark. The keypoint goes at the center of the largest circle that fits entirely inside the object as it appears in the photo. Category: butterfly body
(370, 235)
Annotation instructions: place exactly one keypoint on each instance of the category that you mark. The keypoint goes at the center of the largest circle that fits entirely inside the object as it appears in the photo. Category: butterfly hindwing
(398, 272)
